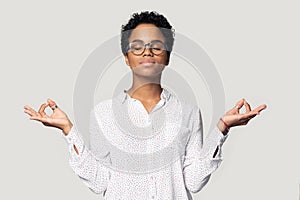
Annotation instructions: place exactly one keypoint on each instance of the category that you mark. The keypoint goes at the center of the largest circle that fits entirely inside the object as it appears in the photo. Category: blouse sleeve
(90, 169)
(201, 159)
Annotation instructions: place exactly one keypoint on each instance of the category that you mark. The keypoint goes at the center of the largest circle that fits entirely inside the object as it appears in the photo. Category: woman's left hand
(234, 118)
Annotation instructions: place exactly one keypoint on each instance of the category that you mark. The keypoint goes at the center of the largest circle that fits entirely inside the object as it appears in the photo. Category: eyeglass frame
(149, 43)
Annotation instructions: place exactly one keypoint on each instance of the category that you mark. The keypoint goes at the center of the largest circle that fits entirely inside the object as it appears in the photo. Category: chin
(149, 70)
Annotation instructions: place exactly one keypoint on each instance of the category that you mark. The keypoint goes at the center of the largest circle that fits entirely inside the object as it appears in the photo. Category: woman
(181, 167)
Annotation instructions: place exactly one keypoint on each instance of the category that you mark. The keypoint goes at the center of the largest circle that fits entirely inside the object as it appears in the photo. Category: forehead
(146, 33)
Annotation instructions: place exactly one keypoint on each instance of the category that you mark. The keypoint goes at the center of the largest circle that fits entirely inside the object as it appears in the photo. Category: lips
(147, 62)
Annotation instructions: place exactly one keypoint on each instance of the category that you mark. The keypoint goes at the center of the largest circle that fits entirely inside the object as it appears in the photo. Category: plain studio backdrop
(253, 44)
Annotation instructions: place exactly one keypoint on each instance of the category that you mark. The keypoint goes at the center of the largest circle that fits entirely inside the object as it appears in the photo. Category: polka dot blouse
(133, 154)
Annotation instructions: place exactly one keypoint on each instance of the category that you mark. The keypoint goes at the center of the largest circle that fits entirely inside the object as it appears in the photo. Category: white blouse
(134, 154)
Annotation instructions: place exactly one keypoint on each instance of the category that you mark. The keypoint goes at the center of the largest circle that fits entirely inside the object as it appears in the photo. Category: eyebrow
(150, 41)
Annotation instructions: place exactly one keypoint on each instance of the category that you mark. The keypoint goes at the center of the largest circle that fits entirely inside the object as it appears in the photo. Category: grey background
(254, 45)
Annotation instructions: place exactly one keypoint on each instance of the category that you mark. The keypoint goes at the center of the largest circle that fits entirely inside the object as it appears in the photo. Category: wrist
(223, 126)
(67, 129)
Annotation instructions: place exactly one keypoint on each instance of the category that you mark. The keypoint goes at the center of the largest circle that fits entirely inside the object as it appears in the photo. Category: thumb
(240, 103)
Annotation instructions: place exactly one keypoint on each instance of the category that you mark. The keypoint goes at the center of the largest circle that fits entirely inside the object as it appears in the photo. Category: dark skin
(146, 70)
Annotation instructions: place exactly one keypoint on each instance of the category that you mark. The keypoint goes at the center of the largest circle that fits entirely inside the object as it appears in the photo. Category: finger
(235, 109)
(248, 108)
(42, 109)
(260, 108)
(41, 119)
(249, 115)
(52, 104)
(239, 105)
(30, 111)
(28, 108)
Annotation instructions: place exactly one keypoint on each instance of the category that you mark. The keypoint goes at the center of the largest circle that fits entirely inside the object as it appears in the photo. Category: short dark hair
(147, 17)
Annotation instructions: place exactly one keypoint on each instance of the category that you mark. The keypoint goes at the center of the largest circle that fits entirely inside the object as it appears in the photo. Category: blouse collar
(165, 95)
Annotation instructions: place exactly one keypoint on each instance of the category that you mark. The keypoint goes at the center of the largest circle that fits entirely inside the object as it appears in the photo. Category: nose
(147, 50)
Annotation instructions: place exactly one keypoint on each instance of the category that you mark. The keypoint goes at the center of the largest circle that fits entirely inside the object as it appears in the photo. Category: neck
(145, 89)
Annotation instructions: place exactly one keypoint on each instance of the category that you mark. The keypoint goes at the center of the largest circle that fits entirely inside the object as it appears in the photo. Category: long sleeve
(85, 164)
(201, 159)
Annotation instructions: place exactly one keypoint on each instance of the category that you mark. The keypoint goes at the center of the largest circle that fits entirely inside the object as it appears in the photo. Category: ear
(126, 59)
(168, 59)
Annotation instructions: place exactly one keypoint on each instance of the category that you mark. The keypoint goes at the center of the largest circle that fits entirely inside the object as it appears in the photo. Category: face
(147, 63)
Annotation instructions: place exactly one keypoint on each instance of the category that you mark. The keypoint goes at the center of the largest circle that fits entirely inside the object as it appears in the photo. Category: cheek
(164, 60)
(129, 60)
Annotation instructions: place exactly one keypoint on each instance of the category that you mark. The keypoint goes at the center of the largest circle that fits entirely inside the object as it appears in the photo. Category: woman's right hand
(57, 119)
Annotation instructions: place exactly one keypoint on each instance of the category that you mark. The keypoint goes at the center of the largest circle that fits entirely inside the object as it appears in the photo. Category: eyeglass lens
(138, 47)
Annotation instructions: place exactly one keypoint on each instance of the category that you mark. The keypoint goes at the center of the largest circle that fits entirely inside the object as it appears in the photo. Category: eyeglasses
(138, 47)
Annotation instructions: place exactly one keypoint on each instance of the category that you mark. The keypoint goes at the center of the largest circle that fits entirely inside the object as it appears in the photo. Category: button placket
(157, 106)
(152, 186)
(150, 176)
(150, 122)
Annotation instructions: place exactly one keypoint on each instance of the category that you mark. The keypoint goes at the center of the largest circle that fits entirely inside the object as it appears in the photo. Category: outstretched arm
(90, 169)
(203, 158)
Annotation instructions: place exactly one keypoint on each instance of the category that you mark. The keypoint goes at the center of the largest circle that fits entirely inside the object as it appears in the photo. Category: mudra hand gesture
(57, 119)
(233, 117)
(60, 120)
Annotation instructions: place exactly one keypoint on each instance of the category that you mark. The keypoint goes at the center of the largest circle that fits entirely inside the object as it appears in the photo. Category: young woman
(145, 143)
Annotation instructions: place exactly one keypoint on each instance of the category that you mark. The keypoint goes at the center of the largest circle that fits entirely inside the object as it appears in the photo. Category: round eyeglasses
(156, 47)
